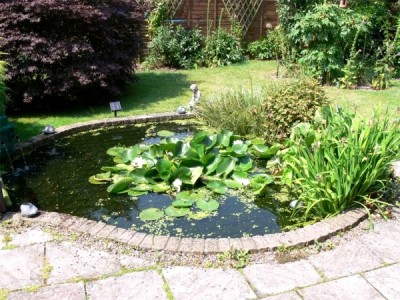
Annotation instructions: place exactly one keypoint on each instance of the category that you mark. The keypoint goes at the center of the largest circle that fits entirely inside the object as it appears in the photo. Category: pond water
(57, 180)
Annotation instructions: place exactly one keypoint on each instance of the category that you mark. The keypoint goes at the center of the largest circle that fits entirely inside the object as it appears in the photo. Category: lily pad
(134, 193)
(120, 185)
(200, 215)
(210, 205)
(177, 212)
(93, 180)
(165, 133)
(182, 203)
(217, 187)
(151, 214)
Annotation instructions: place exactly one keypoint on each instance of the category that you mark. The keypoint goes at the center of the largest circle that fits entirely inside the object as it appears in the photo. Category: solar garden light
(48, 130)
(115, 107)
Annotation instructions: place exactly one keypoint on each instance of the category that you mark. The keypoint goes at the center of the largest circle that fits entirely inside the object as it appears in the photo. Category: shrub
(222, 48)
(236, 110)
(69, 52)
(174, 47)
(3, 88)
(343, 164)
(270, 47)
(288, 103)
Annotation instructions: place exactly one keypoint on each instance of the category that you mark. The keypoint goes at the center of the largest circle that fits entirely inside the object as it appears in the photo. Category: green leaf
(217, 187)
(210, 205)
(103, 176)
(120, 185)
(142, 187)
(181, 149)
(93, 180)
(182, 203)
(133, 193)
(224, 138)
(196, 173)
(177, 212)
(200, 215)
(161, 187)
(165, 133)
(245, 164)
(114, 151)
(163, 167)
(260, 182)
(151, 214)
(232, 184)
(226, 166)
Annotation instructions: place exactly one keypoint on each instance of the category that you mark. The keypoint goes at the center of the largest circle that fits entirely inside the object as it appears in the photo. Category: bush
(234, 110)
(222, 48)
(343, 164)
(69, 52)
(174, 47)
(3, 88)
(288, 103)
(270, 47)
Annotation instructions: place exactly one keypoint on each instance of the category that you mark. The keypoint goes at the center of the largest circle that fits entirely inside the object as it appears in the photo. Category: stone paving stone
(386, 281)
(235, 244)
(285, 296)
(198, 246)
(105, 231)
(21, 267)
(160, 241)
(211, 246)
(70, 291)
(78, 224)
(266, 242)
(147, 242)
(138, 285)
(68, 261)
(173, 244)
(349, 288)
(30, 237)
(186, 245)
(248, 244)
(347, 259)
(126, 236)
(96, 228)
(223, 245)
(116, 234)
(195, 283)
(86, 226)
(384, 243)
(269, 279)
(134, 262)
(137, 239)
(51, 218)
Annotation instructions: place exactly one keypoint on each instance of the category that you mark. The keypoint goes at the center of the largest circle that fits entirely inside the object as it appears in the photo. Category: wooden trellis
(173, 6)
(243, 11)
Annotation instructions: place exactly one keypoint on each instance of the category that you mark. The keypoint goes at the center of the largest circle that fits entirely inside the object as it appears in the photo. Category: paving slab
(285, 296)
(383, 243)
(386, 281)
(69, 261)
(349, 288)
(21, 267)
(196, 283)
(269, 279)
(347, 259)
(138, 285)
(30, 237)
(70, 291)
(134, 262)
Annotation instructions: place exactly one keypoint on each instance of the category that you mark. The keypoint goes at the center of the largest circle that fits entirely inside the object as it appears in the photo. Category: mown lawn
(163, 91)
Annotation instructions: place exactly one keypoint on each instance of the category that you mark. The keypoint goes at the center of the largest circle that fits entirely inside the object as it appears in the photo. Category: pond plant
(195, 171)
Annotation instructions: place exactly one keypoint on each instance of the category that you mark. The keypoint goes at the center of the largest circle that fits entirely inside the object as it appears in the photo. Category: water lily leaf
(263, 151)
(165, 133)
(138, 176)
(224, 138)
(151, 214)
(161, 187)
(217, 187)
(103, 176)
(180, 149)
(226, 166)
(163, 167)
(129, 154)
(211, 167)
(156, 150)
(196, 173)
(114, 151)
(232, 184)
(115, 169)
(210, 205)
(182, 173)
(260, 182)
(142, 187)
(177, 212)
(93, 180)
(133, 193)
(200, 215)
(182, 203)
(245, 164)
(120, 185)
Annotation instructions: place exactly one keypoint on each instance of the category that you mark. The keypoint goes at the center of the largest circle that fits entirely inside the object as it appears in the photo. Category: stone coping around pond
(308, 235)
(43, 139)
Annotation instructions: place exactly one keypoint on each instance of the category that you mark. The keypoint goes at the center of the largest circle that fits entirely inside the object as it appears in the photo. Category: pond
(55, 178)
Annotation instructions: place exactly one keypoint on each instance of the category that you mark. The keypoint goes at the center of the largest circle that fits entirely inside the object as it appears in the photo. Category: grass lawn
(163, 91)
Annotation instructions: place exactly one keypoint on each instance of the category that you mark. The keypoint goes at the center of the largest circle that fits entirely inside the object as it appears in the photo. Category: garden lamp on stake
(343, 3)
(115, 107)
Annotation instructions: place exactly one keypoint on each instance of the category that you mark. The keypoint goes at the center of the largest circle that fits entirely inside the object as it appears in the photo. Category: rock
(28, 210)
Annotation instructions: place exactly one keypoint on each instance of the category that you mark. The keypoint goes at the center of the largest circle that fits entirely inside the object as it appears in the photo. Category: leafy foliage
(270, 47)
(175, 47)
(3, 88)
(343, 163)
(213, 161)
(69, 52)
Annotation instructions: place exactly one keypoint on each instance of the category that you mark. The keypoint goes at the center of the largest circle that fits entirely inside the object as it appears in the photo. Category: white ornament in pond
(28, 210)
(181, 110)
(195, 98)
(177, 184)
(296, 204)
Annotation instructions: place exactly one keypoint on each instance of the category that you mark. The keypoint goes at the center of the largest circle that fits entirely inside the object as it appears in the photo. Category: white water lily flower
(238, 142)
(243, 181)
(138, 162)
(177, 184)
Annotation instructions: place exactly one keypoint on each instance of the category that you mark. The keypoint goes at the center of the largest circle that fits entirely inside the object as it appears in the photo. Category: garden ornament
(296, 204)
(28, 210)
(49, 130)
(181, 110)
(195, 98)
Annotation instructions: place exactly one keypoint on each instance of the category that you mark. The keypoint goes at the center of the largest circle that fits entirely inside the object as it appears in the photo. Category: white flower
(177, 184)
(243, 181)
(138, 162)
(238, 142)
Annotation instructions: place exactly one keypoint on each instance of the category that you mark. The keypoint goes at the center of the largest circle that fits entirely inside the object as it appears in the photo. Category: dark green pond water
(56, 179)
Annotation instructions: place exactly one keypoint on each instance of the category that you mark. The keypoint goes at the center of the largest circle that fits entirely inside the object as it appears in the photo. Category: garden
(296, 127)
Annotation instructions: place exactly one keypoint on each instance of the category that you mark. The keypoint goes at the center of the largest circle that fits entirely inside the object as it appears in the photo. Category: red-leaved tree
(63, 52)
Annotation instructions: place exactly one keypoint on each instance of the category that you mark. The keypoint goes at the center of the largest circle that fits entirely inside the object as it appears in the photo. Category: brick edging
(300, 237)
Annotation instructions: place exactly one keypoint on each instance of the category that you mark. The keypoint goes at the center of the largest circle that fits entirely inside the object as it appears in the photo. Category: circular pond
(55, 178)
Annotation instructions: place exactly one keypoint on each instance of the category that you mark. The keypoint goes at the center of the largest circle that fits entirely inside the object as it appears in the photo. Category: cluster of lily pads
(183, 168)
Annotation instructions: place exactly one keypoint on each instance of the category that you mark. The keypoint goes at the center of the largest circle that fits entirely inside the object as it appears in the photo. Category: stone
(28, 210)
(248, 244)
(195, 283)
(134, 262)
(70, 291)
(285, 296)
(126, 236)
(197, 246)
(211, 246)
(274, 279)
(223, 245)
(396, 169)
(78, 262)
(349, 288)
(235, 244)
(138, 285)
(105, 231)
(96, 228)
(30, 237)
(21, 267)
(386, 281)
(186, 245)
(147, 242)
(86, 226)
(137, 239)
(266, 242)
(116, 234)
(173, 244)
(348, 259)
